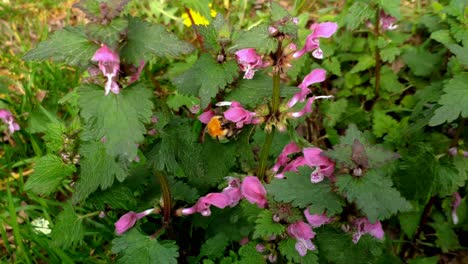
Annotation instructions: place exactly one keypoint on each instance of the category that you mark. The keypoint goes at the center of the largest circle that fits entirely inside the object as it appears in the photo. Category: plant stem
(167, 199)
(89, 215)
(199, 38)
(378, 61)
(275, 102)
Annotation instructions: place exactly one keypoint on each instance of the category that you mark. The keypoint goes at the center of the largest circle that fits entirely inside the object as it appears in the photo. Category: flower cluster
(249, 61)
(251, 189)
(311, 157)
(236, 114)
(9, 120)
(319, 30)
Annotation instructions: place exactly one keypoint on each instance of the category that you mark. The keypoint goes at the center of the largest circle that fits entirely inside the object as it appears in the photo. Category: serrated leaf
(257, 91)
(383, 124)
(257, 37)
(68, 230)
(93, 11)
(364, 62)
(145, 40)
(266, 227)
(210, 36)
(390, 7)
(332, 64)
(206, 78)
(298, 190)
(421, 62)
(49, 172)
(373, 194)
(357, 14)
(214, 247)
(117, 197)
(333, 111)
(134, 247)
(442, 36)
(447, 239)
(461, 52)
(69, 45)
(98, 169)
(118, 118)
(183, 192)
(54, 136)
(277, 12)
(410, 222)
(249, 254)
(447, 179)
(287, 248)
(107, 33)
(389, 81)
(454, 101)
(389, 54)
(177, 101)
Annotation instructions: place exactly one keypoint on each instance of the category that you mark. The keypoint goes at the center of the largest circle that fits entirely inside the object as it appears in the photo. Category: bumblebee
(220, 128)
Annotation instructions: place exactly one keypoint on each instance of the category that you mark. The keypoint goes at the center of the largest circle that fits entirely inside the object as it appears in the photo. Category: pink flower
(249, 61)
(303, 234)
(363, 226)
(237, 114)
(315, 76)
(317, 220)
(292, 166)
(387, 22)
(128, 220)
(9, 120)
(253, 190)
(206, 116)
(320, 30)
(109, 64)
(230, 196)
(283, 157)
(136, 76)
(455, 205)
(323, 166)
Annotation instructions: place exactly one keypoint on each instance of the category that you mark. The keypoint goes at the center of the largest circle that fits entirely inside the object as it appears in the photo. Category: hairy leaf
(214, 247)
(108, 34)
(206, 78)
(48, 174)
(116, 119)
(134, 247)
(117, 197)
(266, 227)
(145, 40)
(454, 101)
(258, 38)
(298, 190)
(373, 194)
(69, 45)
(421, 62)
(68, 230)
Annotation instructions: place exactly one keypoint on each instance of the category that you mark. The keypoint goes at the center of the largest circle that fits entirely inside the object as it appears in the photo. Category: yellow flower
(197, 18)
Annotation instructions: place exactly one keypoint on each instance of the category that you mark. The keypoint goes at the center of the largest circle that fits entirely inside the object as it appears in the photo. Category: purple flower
(455, 205)
(253, 190)
(109, 64)
(230, 196)
(249, 61)
(237, 114)
(314, 157)
(363, 226)
(283, 158)
(303, 234)
(291, 166)
(315, 76)
(9, 120)
(136, 76)
(317, 220)
(320, 30)
(128, 220)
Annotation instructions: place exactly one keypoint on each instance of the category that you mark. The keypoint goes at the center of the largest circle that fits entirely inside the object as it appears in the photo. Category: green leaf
(249, 254)
(266, 227)
(145, 40)
(48, 174)
(461, 52)
(214, 247)
(447, 179)
(337, 247)
(298, 190)
(410, 222)
(206, 78)
(287, 248)
(364, 62)
(454, 101)
(390, 7)
(69, 45)
(119, 118)
(389, 54)
(200, 6)
(424, 260)
(277, 12)
(210, 37)
(134, 247)
(68, 230)
(117, 197)
(176, 101)
(442, 36)
(107, 33)
(422, 62)
(258, 38)
(389, 80)
(383, 124)
(357, 14)
(257, 91)
(332, 64)
(54, 137)
(333, 111)
(183, 192)
(447, 239)
(373, 194)
(97, 169)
